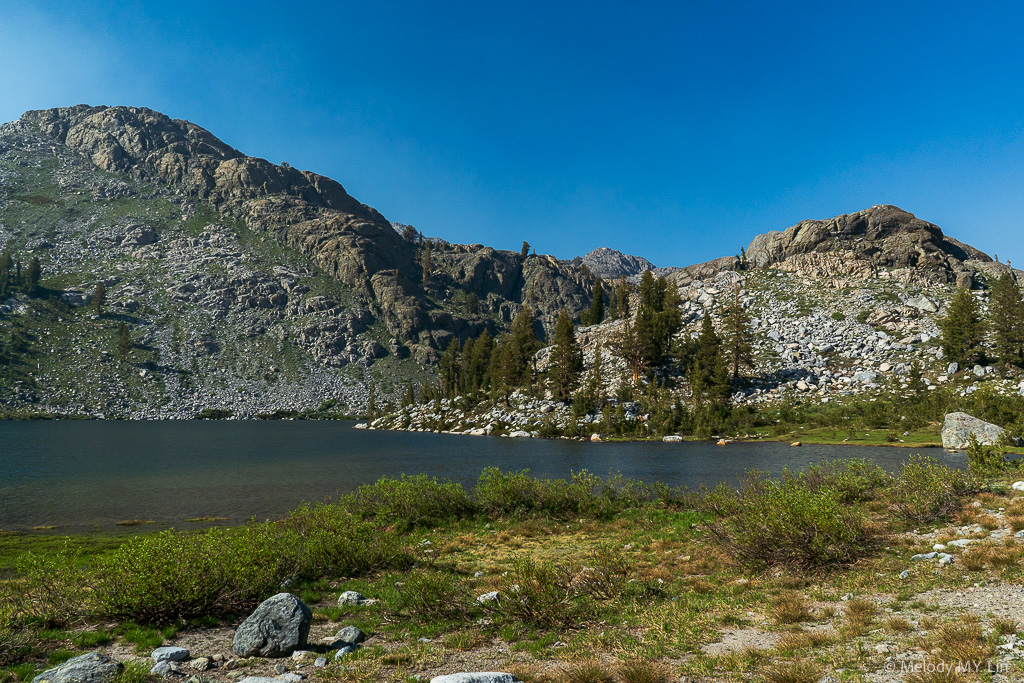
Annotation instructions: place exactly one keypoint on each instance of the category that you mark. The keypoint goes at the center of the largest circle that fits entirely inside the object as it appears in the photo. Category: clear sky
(671, 130)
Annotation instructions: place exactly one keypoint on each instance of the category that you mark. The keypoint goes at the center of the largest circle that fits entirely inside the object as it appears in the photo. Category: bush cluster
(926, 491)
(803, 521)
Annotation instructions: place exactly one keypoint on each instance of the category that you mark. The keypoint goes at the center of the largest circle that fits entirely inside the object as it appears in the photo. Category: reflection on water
(81, 474)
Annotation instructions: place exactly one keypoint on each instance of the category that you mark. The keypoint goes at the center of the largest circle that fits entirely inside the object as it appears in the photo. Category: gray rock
(320, 662)
(958, 428)
(866, 377)
(348, 649)
(351, 598)
(291, 678)
(905, 574)
(350, 634)
(277, 627)
(259, 679)
(493, 596)
(923, 304)
(476, 677)
(93, 667)
(161, 669)
(952, 368)
(672, 438)
(169, 654)
(978, 371)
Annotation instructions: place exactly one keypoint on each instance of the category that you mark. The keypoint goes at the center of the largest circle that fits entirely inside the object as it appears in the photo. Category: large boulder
(278, 627)
(958, 428)
(94, 667)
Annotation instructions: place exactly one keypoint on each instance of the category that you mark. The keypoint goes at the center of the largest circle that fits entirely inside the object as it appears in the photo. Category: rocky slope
(249, 286)
(252, 287)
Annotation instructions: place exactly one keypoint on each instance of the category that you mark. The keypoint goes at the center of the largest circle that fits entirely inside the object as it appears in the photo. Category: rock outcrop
(612, 264)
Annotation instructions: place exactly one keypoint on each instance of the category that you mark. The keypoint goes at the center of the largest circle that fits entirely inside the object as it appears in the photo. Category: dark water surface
(79, 475)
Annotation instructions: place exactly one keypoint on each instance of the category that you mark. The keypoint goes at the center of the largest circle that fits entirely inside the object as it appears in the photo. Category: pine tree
(596, 313)
(32, 275)
(517, 351)
(590, 396)
(622, 292)
(963, 329)
(525, 251)
(566, 358)
(708, 373)
(739, 338)
(657, 318)
(626, 346)
(478, 363)
(427, 264)
(1006, 318)
(124, 341)
(371, 402)
(99, 297)
(450, 366)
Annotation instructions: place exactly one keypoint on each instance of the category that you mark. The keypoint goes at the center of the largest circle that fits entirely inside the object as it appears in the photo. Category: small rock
(320, 662)
(291, 678)
(1018, 486)
(351, 598)
(672, 438)
(493, 596)
(161, 669)
(348, 649)
(350, 634)
(169, 654)
(299, 654)
(280, 668)
(200, 664)
(905, 574)
(476, 677)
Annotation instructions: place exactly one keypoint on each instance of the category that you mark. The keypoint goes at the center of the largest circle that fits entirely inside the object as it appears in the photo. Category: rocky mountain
(249, 286)
(611, 264)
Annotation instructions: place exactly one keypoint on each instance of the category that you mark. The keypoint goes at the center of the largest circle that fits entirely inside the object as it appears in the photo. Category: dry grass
(962, 642)
(1005, 626)
(790, 608)
(1004, 558)
(643, 671)
(975, 559)
(802, 640)
(860, 612)
(588, 671)
(796, 671)
(898, 625)
(988, 522)
(1016, 522)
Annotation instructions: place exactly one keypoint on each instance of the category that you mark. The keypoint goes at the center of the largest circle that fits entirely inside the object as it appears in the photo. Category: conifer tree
(33, 274)
(566, 358)
(613, 305)
(517, 350)
(1006, 319)
(371, 402)
(525, 251)
(709, 374)
(427, 264)
(590, 396)
(478, 363)
(739, 338)
(450, 370)
(622, 294)
(124, 341)
(963, 329)
(626, 346)
(99, 297)
(596, 313)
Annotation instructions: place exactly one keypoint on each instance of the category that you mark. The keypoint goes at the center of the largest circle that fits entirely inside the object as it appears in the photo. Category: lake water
(82, 475)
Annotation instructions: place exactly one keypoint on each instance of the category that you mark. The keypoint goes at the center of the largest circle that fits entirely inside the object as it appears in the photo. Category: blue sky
(672, 130)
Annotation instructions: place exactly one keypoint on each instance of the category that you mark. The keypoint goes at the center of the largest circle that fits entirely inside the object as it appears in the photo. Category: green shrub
(789, 523)
(164, 577)
(428, 596)
(50, 590)
(12, 635)
(410, 501)
(926, 491)
(326, 542)
(511, 494)
(985, 461)
(544, 595)
(853, 480)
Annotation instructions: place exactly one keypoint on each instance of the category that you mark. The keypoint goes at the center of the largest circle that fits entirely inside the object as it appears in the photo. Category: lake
(80, 475)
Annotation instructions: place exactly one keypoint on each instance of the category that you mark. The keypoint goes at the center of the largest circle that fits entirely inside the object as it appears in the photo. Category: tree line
(657, 360)
(969, 336)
